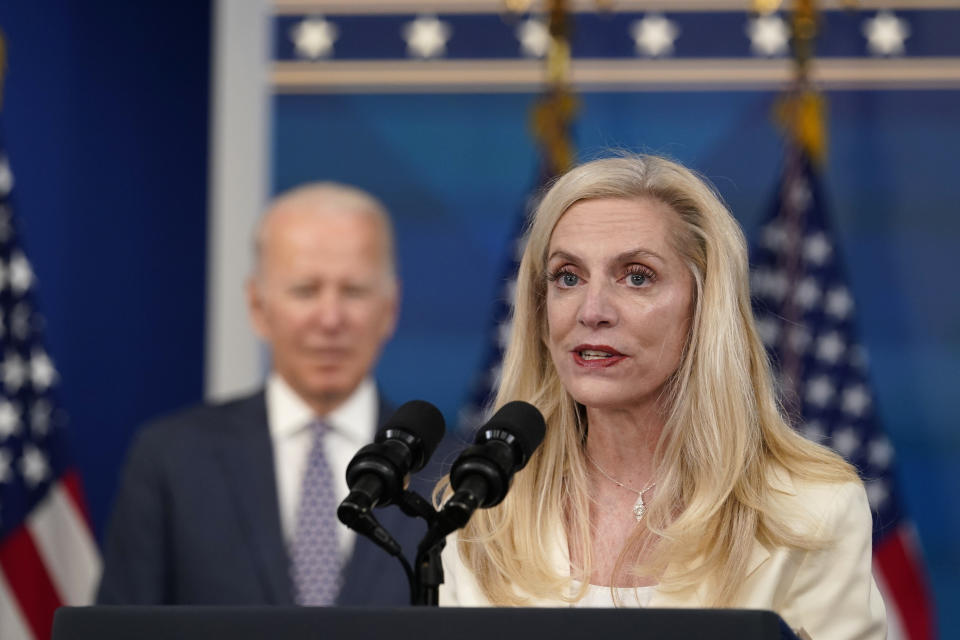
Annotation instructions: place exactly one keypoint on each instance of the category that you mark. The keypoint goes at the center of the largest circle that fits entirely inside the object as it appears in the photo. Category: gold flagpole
(555, 110)
(801, 112)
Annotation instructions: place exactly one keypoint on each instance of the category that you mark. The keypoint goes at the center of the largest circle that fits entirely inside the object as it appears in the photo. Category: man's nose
(330, 311)
(598, 308)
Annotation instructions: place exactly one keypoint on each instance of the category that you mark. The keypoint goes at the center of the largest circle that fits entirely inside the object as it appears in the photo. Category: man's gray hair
(329, 196)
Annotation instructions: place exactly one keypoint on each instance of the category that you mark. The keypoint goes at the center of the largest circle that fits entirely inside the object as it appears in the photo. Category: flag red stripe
(71, 483)
(28, 579)
(901, 573)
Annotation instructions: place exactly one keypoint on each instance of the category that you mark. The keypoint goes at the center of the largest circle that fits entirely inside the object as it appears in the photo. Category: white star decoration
(33, 466)
(314, 37)
(19, 273)
(877, 493)
(885, 34)
(856, 400)
(845, 441)
(42, 373)
(534, 37)
(654, 34)
(816, 249)
(20, 321)
(6, 177)
(807, 293)
(769, 35)
(40, 415)
(820, 391)
(9, 419)
(830, 347)
(14, 372)
(839, 304)
(426, 37)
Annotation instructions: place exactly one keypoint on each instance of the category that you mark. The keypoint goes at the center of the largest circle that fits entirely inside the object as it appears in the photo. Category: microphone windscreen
(524, 421)
(421, 419)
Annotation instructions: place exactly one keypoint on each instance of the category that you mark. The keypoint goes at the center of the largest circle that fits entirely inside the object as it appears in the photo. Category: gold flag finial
(766, 7)
(555, 110)
(801, 112)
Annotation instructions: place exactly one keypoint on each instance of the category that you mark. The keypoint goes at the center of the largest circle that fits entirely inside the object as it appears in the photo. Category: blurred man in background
(235, 503)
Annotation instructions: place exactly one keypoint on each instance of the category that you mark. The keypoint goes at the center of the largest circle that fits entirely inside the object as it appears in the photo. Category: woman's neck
(623, 443)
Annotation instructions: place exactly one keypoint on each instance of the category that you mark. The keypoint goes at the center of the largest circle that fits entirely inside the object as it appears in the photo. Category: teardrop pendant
(639, 509)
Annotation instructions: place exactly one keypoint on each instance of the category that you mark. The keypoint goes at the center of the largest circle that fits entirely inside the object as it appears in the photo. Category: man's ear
(394, 312)
(255, 307)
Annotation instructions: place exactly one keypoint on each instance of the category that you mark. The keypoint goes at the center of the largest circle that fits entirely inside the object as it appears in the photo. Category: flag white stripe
(66, 546)
(895, 629)
(12, 624)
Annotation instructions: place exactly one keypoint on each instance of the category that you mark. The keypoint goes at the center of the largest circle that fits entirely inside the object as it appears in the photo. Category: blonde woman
(668, 476)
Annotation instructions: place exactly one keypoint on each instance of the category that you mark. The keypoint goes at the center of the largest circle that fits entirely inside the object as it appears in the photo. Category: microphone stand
(426, 578)
(428, 574)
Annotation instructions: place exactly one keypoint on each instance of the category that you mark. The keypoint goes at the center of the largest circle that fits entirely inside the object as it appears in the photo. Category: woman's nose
(598, 308)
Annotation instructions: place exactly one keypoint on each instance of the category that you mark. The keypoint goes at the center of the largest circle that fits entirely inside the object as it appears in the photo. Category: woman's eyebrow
(626, 256)
(563, 255)
(634, 254)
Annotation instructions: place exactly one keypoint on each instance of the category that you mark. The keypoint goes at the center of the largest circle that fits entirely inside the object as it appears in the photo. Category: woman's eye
(564, 279)
(639, 277)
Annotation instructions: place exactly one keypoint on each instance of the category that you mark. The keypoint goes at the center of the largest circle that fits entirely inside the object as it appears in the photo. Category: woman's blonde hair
(724, 433)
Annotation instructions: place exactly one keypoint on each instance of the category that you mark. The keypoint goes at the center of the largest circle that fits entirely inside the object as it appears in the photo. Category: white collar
(288, 413)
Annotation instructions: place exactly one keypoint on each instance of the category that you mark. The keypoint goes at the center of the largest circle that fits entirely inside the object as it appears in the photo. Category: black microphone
(377, 474)
(481, 475)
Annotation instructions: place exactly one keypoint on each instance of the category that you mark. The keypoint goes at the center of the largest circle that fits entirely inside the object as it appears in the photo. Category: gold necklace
(639, 508)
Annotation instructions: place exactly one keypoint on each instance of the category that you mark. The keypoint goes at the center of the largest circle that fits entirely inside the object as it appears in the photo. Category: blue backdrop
(105, 118)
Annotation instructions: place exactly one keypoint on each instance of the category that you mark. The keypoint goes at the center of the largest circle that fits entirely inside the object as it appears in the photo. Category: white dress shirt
(352, 425)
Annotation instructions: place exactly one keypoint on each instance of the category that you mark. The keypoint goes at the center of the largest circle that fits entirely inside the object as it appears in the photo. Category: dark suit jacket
(197, 521)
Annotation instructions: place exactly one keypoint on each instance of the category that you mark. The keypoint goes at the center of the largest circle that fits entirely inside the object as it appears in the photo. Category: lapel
(779, 481)
(247, 460)
(694, 597)
(699, 596)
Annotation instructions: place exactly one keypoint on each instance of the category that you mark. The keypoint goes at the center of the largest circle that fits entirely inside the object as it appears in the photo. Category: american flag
(806, 316)
(48, 556)
(487, 380)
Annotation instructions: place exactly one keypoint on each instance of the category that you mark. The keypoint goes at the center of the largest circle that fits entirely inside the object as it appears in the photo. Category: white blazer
(828, 594)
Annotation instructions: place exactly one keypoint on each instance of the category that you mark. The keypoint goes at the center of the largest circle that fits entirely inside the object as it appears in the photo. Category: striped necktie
(316, 561)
